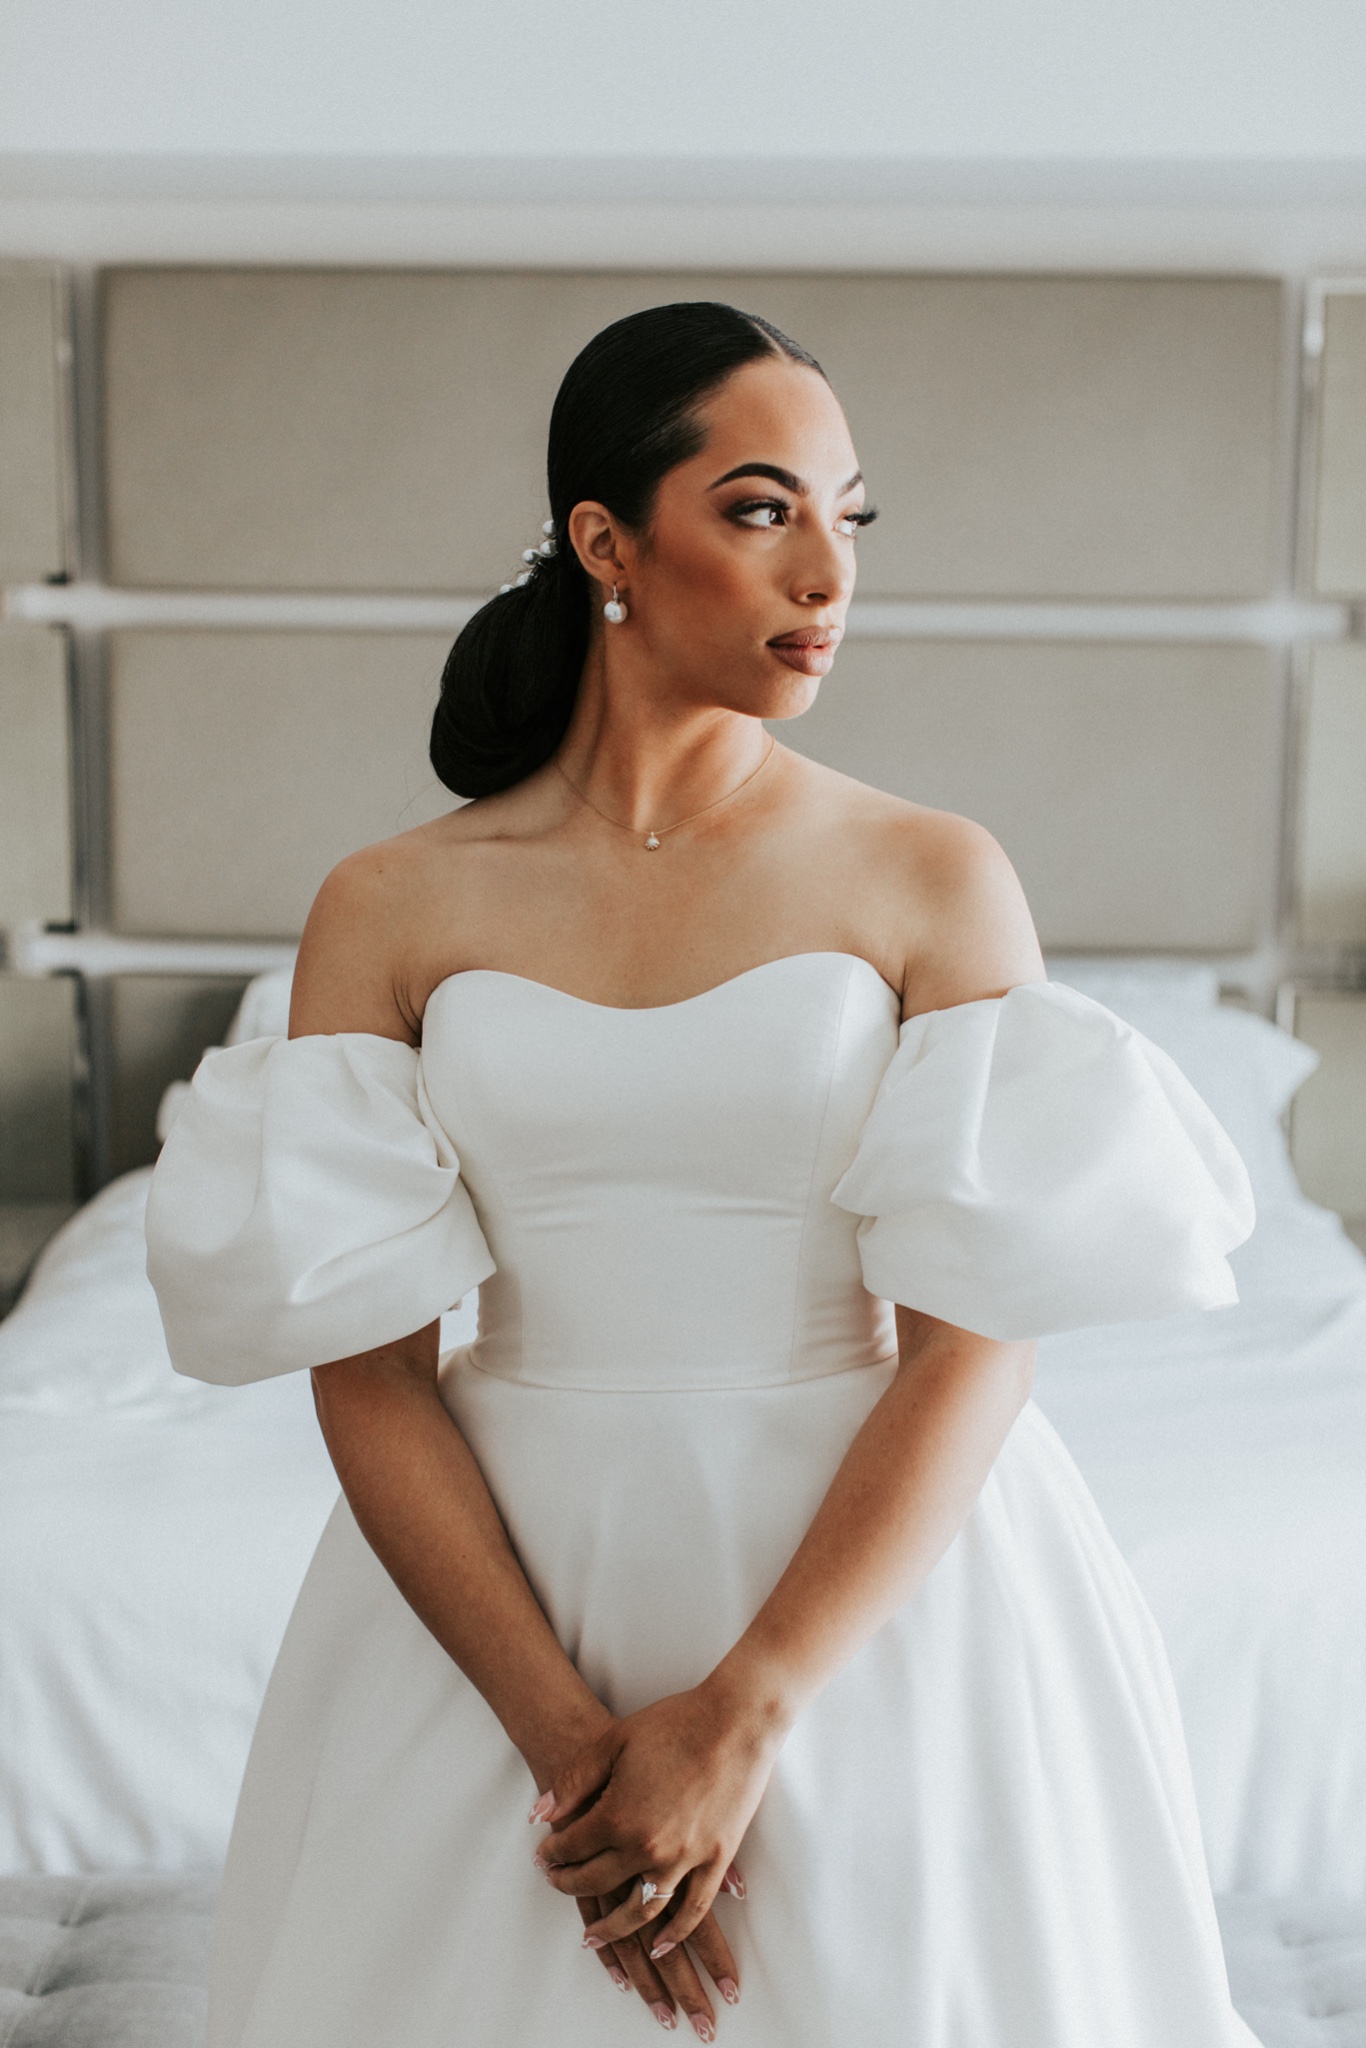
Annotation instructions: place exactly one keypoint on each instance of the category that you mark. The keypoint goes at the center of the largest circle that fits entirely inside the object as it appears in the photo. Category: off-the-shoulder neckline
(684, 1002)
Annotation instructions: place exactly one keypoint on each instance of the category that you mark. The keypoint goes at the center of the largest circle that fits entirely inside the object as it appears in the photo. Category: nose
(823, 574)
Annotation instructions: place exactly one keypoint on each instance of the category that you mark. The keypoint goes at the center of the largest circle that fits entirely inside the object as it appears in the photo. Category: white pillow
(264, 1009)
(1115, 979)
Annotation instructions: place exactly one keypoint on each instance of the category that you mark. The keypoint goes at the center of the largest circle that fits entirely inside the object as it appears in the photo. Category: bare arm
(411, 1479)
(899, 1498)
(920, 1460)
(423, 1506)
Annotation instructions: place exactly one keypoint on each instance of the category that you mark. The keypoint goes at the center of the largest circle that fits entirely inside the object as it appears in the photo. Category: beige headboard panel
(35, 777)
(1339, 565)
(1131, 785)
(1328, 1118)
(159, 1025)
(38, 1040)
(1331, 867)
(36, 510)
(244, 765)
(1084, 437)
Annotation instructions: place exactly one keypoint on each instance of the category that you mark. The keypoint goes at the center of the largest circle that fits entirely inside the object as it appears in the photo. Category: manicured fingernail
(594, 1941)
(729, 1990)
(539, 1861)
(702, 2026)
(543, 1808)
(734, 1883)
(620, 1979)
(663, 2015)
(662, 1948)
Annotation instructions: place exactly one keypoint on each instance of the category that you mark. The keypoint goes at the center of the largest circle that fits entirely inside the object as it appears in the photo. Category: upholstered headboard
(1078, 616)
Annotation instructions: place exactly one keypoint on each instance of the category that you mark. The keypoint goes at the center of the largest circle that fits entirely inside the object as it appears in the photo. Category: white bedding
(1228, 1454)
(152, 1538)
(148, 1561)
(151, 1543)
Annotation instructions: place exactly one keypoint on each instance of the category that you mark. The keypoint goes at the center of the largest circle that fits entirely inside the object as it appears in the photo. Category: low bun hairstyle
(625, 414)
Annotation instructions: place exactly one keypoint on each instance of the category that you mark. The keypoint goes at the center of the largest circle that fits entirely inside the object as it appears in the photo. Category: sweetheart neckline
(683, 1003)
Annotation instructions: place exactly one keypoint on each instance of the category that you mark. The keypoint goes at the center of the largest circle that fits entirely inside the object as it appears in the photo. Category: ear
(597, 540)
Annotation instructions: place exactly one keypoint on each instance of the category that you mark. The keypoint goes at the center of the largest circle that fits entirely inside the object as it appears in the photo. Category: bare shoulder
(392, 918)
(968, 926)
(946, 895)
(350, 970)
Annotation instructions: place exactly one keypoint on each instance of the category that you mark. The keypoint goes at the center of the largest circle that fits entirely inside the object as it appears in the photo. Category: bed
(153, 1529)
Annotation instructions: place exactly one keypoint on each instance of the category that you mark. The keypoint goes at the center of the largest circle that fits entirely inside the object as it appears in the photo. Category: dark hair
(625, 414)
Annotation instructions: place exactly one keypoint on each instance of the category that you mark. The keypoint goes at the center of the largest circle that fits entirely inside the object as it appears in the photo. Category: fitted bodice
(723, 1192)
(654, 1184)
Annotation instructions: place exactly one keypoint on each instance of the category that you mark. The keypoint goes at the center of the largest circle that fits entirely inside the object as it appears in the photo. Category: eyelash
(855, 519)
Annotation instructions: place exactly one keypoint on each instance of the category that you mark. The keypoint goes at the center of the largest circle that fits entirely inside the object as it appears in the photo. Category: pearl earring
(614, 611)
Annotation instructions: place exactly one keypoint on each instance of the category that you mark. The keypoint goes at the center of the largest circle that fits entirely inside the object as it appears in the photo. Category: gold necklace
(653, 839)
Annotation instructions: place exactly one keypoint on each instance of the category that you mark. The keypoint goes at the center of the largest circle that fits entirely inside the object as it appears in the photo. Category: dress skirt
(978, 1836)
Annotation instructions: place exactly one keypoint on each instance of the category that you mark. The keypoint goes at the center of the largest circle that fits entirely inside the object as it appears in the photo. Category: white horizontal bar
(94, 607)
(34, 951)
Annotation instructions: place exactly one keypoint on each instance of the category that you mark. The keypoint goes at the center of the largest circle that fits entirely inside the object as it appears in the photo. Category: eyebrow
(784, 477)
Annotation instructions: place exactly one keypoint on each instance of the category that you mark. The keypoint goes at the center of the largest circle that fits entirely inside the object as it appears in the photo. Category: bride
(733, 1550)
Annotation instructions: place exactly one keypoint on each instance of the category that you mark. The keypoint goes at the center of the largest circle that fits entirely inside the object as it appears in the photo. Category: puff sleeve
(306, 1205)
(1031, 1163)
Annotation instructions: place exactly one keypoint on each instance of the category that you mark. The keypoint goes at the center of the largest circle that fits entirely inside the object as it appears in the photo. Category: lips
(811, 651)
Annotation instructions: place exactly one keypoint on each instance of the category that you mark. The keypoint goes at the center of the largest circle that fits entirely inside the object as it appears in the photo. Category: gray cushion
(104, 1962)
(1297, 1966)
(119, 1962)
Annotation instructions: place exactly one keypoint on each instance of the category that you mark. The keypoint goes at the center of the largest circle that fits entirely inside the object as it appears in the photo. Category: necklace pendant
(651, 843)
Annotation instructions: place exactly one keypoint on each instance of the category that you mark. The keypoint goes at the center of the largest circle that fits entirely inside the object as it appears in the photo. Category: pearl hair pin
(532, 556)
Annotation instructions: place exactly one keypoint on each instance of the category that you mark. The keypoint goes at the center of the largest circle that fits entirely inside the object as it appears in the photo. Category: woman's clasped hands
(645, 1824)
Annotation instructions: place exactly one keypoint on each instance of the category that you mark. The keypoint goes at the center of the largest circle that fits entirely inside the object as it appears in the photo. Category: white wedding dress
(982, 1833)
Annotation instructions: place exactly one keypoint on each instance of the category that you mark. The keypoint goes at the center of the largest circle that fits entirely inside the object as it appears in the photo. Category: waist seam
(723, 1388)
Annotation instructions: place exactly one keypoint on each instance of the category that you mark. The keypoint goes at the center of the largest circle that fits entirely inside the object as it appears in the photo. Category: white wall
(1275, 80)
(1168, 134)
